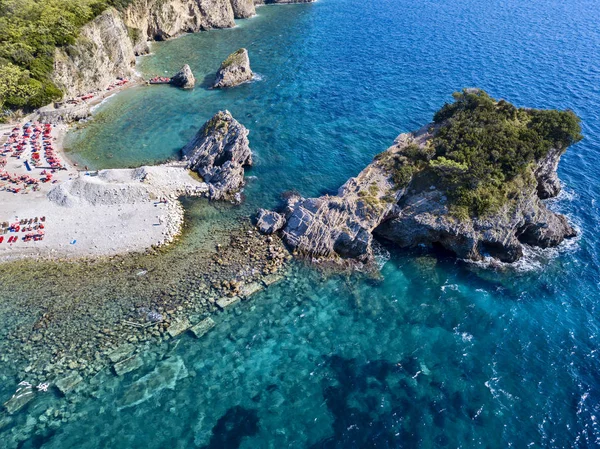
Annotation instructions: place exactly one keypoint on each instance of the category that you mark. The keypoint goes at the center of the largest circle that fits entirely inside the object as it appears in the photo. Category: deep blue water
(439, 353)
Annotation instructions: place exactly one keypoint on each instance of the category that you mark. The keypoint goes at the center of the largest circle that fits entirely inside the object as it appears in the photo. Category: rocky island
(472, 182)
(234, 71)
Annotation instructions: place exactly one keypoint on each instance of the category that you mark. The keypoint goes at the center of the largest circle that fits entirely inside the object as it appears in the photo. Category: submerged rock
(165, 376)
(69, 383)
(178, 327)
(184, 78)
(20, 399)
(269, 222)
(203, 327)
(218, 153)
(121, 352)
(234, 70)
(248, 290)
(127, 365)
(272, 279)
(228, 301)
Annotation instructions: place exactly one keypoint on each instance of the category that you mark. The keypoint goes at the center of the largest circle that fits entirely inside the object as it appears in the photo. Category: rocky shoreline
(68, 344)
(133, 209)
(61, 342)
(60, 348)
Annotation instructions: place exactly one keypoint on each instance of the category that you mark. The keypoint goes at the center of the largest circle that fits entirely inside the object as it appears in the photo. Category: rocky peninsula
(472, 182)
(234, 71)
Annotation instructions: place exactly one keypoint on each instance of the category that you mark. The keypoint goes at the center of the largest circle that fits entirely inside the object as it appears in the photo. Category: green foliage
(448, 167)
(30, 32)
(483, 152)
(134, 34)
(402, 175)
(416, 153)
(482, 146)
(233, 58)
(399, 166)
(217, 123)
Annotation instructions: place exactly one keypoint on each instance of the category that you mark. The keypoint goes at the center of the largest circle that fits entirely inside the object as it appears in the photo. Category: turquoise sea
(438, 353)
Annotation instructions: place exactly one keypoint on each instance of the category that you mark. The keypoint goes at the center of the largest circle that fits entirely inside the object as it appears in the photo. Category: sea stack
(218, 153)
(184, 78)
(234, 70)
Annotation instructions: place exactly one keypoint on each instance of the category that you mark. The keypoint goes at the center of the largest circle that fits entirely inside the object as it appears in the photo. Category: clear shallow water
(437, 354)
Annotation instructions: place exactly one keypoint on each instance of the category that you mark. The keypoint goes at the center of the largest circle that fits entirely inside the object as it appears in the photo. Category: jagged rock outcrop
(184, 78)
(102, 53)
(218, 153)
(340, 226)
(234, 71)
(269, 222)
(548, 182)
(416, 212)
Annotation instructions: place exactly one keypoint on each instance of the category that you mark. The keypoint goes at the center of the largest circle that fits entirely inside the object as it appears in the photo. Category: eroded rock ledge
(401, 198)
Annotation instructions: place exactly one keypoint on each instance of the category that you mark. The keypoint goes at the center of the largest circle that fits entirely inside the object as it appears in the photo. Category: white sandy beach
(95, 214)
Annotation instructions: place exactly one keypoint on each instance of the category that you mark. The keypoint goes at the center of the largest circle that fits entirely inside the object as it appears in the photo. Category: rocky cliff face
(219, 152)
(243, 9)
(163, 19)
(107, 46)
(104, 51)
(342, 227)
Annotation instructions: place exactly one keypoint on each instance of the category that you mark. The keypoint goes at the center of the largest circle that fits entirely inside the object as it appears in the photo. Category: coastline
(137, 226)
(109, 220)
(133, 235)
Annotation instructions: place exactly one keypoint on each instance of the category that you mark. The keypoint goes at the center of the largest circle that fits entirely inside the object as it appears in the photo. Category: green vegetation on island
(31, 31)
(234, 58)
(483, 151)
